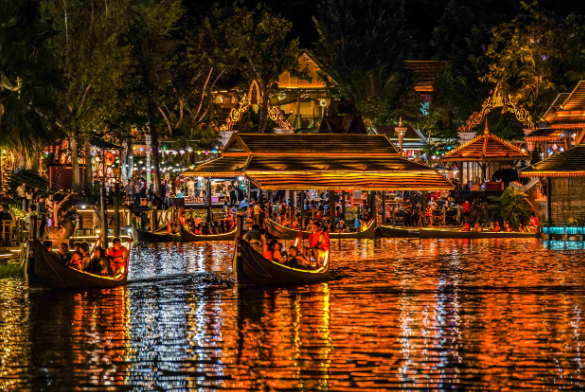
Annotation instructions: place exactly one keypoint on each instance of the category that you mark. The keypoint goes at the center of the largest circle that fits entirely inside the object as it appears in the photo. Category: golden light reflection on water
(396, 315)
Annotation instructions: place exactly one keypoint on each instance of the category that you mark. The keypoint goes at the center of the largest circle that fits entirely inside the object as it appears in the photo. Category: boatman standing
(118, 256)
(318, 243)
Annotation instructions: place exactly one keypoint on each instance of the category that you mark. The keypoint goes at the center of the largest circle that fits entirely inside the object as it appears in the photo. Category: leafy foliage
(513, 206)
(26, 91)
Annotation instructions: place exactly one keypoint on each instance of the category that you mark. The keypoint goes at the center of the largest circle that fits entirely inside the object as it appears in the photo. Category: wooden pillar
(117, 210)
(209, 207)
(303, 210)
(104, 213)
(343, 205)
(549, 200)
(384, 200)
(545, 150)
(293, 204)
(332, 210)
(424, 206)
(460, 164)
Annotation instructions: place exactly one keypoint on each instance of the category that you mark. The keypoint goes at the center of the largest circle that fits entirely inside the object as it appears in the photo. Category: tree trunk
(88, 165)
(75, 178)
(130, 159)
(152, 109)
(263, 113)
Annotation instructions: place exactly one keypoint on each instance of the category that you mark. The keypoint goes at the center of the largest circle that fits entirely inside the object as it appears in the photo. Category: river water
(396, 315)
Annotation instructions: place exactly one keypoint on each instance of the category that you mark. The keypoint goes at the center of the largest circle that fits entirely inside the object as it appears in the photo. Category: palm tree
(28, 73)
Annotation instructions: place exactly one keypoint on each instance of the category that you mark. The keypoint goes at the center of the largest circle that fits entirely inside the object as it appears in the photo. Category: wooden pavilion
(332, 162)
(484, 149)
(564, 175)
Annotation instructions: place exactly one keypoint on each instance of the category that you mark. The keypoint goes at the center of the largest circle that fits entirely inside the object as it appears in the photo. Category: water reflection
(397, 314)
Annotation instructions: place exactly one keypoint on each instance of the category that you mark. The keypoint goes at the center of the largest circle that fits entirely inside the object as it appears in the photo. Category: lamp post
(400, 131)
(148, 164)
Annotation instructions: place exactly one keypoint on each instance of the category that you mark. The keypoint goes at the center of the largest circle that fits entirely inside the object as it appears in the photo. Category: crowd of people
(99, 261)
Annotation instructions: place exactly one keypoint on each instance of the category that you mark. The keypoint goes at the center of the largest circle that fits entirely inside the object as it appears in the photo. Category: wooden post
(384, 200)
(237, 263)
(209, 208)
(424, 207)
(293, 204)
(343, 205)
(332, 210)
(117, 210)
(104, 213)
(549, 200)
(302, 210)
(153, 221)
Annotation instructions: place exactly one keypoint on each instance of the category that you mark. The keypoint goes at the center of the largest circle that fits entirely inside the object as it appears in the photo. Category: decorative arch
(496, 100)
(243, 106)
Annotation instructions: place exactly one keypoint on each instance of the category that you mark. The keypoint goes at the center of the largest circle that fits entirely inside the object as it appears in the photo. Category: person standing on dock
(407, 213)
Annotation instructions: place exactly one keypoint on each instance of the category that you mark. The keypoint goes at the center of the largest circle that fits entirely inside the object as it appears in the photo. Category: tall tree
(92, 61)
(28, 78)
(259, 39)
(151, 39)
(536, 56)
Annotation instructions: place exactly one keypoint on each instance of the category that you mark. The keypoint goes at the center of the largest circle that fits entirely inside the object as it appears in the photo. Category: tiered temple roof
(570, 163)
(568, 110)
(321, 161)
(486, 148)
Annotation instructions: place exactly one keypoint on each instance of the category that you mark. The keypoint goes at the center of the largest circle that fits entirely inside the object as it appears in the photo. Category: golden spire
(486, 131)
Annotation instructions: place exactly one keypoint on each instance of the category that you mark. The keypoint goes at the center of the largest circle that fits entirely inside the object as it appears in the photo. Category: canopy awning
(544, 135)
(345, 181)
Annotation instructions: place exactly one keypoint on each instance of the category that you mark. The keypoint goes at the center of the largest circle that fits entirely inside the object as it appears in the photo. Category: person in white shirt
(191, 187)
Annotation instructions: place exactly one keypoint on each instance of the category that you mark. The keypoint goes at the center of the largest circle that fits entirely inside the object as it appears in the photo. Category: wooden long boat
(251, 268)
(281, 232)
(447, 233)
(188, 236)
(399, 232)
(389, 231)
(146, 236)
(45, 270)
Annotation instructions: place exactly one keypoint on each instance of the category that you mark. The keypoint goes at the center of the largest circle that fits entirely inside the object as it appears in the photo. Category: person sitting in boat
(84, 248)
(99, 264)
(534, 223)
(295, 224)
(477, 227)
(48, 245)
(295, 259)
(63, 253)
(205, 229)
(272, 251)
(183, 219)
(497, 227)
(76, 261)
(118, 254)
(341, 227)
(465, 225)
(521, 228)
(254, 237)
(507, 227)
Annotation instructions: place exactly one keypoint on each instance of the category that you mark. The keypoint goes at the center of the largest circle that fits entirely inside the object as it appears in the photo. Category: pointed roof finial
(399, 121)
(486, 131)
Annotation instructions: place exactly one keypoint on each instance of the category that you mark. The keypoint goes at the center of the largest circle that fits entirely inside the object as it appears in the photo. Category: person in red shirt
(534, 223)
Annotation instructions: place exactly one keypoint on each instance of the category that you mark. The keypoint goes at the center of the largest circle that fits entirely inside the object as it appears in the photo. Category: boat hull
(388, 231)
(187, 236)
(146, 236)
(44, 270)
(285, 233)
(251, 268)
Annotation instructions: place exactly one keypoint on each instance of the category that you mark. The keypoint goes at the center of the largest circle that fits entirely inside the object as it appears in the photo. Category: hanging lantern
(199, 152)
(181, 151)
(189, 149)
(206, 152)
(174, 152)
(164, 147)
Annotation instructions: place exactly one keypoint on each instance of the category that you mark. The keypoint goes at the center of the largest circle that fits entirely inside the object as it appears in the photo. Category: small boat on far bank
(188, 236)
(251, 268)
(284, 233)
(45, 270)
(146, 236)
(400, 232)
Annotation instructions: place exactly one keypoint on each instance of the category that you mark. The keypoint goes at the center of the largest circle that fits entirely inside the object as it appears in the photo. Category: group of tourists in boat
(99, 261)
(296, 256)
(533, 226)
